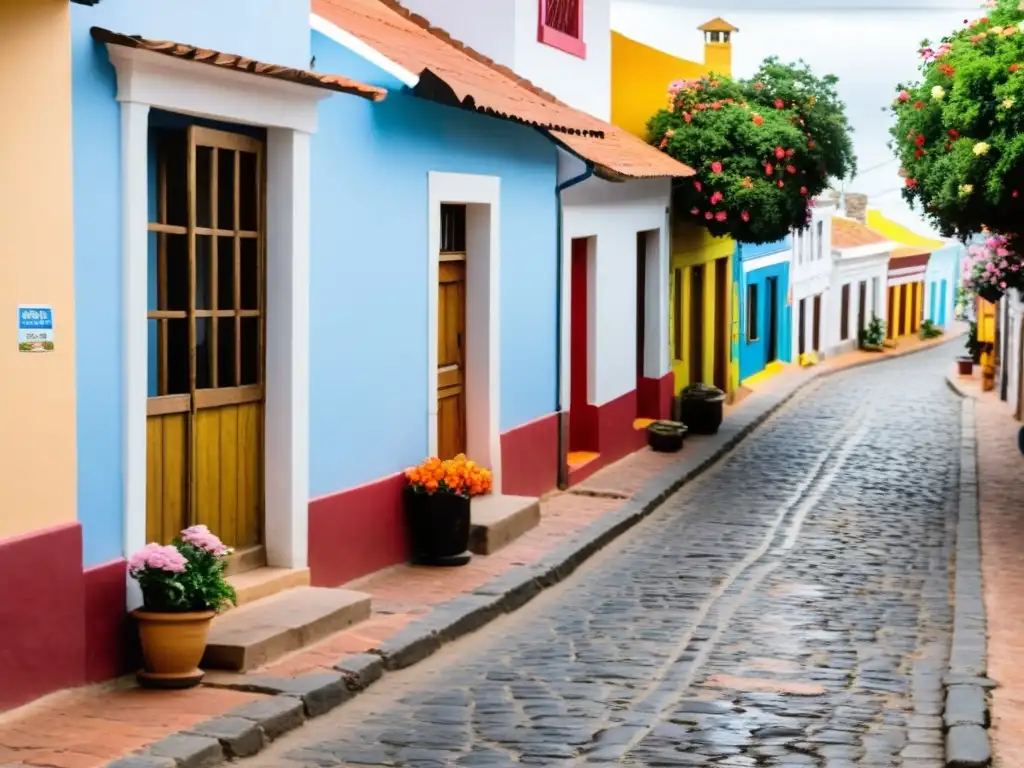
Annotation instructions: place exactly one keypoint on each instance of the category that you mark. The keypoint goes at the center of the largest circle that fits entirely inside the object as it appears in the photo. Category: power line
(890, 161)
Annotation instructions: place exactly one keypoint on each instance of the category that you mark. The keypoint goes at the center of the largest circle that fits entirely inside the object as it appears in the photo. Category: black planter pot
(666, 436)
(700, 409)
(990, 293)
(438, 526)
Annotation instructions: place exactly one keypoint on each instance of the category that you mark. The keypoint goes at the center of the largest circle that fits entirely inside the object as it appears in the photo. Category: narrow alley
(790, 607)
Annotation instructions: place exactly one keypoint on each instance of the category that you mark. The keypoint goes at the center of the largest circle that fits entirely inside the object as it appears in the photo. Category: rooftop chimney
(855, 206)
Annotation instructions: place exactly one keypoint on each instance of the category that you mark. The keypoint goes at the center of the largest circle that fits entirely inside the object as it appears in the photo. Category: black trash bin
(700, 408)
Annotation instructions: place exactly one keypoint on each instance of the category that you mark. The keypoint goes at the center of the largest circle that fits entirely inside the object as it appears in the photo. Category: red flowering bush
(763, 148)
(958, 130)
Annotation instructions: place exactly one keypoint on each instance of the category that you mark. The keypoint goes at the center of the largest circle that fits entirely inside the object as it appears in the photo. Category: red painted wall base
(529, 458)
(616, 435)
(654, 397)
(59, 626)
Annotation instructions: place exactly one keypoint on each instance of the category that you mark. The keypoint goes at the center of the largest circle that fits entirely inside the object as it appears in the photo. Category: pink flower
(200, 537)
(716, 198)
(720, 216)
(903, 96)
(697, 185)
(780, 153)
(159, 558)
(803, 190)
(694, 211)
(745, 216)
(779, 104)
(716, 167)
(708, 215)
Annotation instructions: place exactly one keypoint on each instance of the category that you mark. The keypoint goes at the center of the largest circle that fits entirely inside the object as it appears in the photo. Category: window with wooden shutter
(561, 26)
(844, 314)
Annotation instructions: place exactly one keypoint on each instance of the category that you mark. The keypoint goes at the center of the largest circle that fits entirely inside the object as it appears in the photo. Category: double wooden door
(206, 337)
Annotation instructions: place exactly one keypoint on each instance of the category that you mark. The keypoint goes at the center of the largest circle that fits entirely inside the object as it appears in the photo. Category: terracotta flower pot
(172, 646)
(965, 366)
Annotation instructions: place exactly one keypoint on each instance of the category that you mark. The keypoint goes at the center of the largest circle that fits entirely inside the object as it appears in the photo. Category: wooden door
(451, 334)
(890, 315)
(721, 330)
(641, 302)
(801, 333)
(697, 324)
(902, 319)
(862, 307)
(206, 410)
(772, 291)
(914, 319)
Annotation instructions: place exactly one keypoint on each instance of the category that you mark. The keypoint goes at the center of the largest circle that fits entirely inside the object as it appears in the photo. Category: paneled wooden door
(451, 333)
(206, 410)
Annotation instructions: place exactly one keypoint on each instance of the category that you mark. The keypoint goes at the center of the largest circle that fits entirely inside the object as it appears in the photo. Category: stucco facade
(810, 279)
(763, 274)
(40, 539)
(860, 265)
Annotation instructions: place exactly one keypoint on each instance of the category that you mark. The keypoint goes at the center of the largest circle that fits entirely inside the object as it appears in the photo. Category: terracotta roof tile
(847, 233)
(454, 74)
(909, 251)
(241, 64)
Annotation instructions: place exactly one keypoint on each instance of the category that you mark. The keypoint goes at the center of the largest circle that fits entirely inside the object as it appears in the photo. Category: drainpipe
(563, 423)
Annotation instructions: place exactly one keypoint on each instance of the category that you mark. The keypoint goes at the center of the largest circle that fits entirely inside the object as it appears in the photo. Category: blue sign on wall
(35, 328)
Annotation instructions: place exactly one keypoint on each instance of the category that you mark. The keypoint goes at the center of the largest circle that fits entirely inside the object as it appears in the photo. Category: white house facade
(810, 278)
(860, 265)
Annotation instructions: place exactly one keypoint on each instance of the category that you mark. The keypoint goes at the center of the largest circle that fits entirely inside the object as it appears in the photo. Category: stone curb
(245, 730)
(966, 715)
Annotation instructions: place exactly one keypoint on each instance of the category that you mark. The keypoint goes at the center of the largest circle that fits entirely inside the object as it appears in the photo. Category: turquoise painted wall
(754, 350)
(368, 302)
(942, 275)
(270, 30)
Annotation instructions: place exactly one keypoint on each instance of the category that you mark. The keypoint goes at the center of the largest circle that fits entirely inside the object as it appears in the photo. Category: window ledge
(561, 41)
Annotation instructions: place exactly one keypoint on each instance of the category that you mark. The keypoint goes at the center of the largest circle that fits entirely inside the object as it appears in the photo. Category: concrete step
(498, 520)
(264, 630)
(251, 586)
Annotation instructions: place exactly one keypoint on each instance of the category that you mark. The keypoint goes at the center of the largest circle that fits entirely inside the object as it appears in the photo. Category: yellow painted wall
(692, 246)
(37, 436)
(905, 309)
(641, 76)
(898, 233)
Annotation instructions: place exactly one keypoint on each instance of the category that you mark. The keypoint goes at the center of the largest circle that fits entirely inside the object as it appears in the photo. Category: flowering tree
(958, 130)
(762, 148)
(991, 269)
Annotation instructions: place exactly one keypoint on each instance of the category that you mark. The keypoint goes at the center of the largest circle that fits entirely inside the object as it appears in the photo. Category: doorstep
(497, 520)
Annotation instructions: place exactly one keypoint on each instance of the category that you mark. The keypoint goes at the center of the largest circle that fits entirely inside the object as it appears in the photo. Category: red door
(581, 421)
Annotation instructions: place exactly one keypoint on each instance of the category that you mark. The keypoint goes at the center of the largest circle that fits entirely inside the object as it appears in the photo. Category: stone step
(251, 586)
(264, 630)
(497, 520)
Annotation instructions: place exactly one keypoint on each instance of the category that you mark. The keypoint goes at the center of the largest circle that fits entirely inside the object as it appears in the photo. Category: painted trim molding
(347, 40)
(482, 197)
(147, 80)
(767, 260)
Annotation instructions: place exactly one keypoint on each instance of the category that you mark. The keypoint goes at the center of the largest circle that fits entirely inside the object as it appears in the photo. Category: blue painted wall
(753, 352)
(941, 277)
(269, 30)
(368, 301)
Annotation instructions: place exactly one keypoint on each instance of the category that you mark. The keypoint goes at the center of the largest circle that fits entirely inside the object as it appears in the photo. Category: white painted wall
(490, 31)
(611, 214)
(852, 265)
(581, 83)
(810, 275)
(1014, 328)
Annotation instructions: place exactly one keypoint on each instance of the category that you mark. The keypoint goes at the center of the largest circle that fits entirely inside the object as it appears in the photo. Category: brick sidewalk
(89, 727)
(1001, 509)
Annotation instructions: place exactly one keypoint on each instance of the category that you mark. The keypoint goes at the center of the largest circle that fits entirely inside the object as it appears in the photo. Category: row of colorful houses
(278, 253)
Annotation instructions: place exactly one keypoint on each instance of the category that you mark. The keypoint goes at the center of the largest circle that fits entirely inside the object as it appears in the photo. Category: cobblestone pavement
(790, 607)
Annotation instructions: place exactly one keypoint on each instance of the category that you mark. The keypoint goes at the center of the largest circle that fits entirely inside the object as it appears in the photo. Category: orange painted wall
(37, 407)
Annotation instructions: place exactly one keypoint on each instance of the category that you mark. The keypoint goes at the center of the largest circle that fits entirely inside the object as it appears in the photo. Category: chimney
(855, 206)
(718, 45)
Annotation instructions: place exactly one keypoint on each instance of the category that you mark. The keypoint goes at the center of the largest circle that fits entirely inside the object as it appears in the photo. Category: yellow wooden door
(451, 360)
(205, 460)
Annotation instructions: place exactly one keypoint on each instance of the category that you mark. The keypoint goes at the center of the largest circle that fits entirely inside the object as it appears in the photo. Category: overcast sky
(869, 47)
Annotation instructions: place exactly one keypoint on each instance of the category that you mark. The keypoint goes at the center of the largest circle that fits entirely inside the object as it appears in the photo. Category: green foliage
(930, 330)
(874, 334)
(959, 131)
(762, 148)
(972, 345)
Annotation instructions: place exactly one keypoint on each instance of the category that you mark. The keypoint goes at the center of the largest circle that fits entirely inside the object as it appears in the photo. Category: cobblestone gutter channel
(966, 715)
(247, 730)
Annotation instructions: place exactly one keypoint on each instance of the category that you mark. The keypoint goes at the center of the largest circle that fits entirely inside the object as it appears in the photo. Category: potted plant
(700, 408)
(930, 330)
(183, 588)
(437, 496)
(666, 436)
(872, 338)
(965, 363)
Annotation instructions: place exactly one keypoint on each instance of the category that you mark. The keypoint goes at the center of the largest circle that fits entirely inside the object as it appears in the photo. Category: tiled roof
(454, 74)
(241, 64)
(847, 233)
(909, 251)
(717, 24)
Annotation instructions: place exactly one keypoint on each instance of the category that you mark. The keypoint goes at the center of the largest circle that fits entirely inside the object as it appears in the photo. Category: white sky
(869, 48)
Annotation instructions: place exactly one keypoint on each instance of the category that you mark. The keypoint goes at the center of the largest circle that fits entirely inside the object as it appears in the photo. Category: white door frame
(482, 197)
(148, 80)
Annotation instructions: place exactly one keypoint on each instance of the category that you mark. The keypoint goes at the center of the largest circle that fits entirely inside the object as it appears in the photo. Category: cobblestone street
(790, 607)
